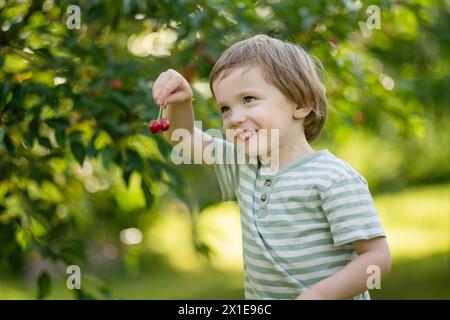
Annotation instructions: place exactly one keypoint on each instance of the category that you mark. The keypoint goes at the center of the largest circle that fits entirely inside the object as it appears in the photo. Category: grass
(425, 278)
(416, 222)
(169, 284)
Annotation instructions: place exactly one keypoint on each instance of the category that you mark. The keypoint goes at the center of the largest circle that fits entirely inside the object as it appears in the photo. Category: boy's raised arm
(173, 90)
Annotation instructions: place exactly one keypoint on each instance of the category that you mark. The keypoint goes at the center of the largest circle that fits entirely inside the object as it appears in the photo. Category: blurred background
(82, 182)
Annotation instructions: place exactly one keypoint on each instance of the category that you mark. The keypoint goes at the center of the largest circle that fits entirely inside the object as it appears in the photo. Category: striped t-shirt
(299, 223)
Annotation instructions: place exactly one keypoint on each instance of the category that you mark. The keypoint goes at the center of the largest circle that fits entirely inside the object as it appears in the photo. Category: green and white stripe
(303, 231)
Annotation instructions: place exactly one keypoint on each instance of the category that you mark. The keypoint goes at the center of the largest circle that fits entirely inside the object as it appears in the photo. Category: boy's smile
(249, 104)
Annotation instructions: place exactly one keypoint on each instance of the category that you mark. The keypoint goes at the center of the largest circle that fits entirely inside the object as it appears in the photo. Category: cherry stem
(160, 112)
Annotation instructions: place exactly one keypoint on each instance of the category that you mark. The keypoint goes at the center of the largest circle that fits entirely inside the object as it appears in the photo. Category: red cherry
(154, 126)
(358, 117)
(117, 85)
(165, 124)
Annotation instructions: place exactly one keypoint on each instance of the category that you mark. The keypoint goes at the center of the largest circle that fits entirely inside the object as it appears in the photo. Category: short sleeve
(350, 210)
(224, 156)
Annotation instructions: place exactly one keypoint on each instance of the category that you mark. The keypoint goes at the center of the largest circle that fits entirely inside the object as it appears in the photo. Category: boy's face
(249, 103)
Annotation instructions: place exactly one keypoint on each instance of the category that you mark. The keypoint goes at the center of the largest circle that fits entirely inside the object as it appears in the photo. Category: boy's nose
(237, 116)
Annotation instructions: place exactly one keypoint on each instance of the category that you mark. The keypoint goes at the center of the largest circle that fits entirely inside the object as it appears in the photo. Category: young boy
(310, 228)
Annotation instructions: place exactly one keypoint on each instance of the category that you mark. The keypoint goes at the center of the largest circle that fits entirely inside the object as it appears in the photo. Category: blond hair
(285, 65)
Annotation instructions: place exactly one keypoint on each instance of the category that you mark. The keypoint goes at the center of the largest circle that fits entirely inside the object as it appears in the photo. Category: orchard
(79, 128)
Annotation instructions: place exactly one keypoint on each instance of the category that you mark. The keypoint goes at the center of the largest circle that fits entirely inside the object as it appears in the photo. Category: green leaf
(45, 142)
(33, 126)
(82, 295)
(71, 250)
(119, 159)
(44, 285)
(27, 140)
(2, 133)
(44, 52)
(60, 230)
(91, 150)
(105, 293)
(149, 197)
(10, 148)
(108, 153)
(75, 136)
(60, 136)
(121, 100)
(126, 177)
(39, 174)
(58, 123)
(134, 161)
(23, 237)
(78, 151)
(203, 249)
(4, 92)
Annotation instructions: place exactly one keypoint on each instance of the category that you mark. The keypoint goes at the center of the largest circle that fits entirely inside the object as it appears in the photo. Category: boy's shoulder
(330, 170)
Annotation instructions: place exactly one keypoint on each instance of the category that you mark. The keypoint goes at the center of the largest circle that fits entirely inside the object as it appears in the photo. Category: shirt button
(268, 183)
(263, 197)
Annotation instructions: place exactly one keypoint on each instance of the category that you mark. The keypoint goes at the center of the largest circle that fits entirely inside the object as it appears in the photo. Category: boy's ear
(301, 112)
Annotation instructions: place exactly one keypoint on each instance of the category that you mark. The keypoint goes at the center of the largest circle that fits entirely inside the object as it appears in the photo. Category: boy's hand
(171, 87)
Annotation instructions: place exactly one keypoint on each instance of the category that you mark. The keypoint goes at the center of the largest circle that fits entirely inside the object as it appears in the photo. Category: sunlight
(220, 227)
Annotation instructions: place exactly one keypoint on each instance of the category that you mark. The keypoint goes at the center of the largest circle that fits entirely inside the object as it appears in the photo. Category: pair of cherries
(161, 124)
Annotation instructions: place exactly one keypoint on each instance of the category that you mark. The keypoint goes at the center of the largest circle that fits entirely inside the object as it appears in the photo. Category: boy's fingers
(171, 85)
(159, 85)
(164, 82)
(175, 97)
(168, 88)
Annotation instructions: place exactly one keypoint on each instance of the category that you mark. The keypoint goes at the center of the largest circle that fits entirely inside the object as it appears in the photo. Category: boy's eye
(248, 99)
(224, 109)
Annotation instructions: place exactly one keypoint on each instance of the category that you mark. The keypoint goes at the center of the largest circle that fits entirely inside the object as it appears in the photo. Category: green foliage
(44, 285)
(60, 116)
